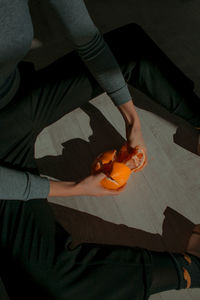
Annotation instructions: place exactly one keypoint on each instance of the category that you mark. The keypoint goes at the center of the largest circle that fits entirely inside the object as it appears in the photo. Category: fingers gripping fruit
(118, 166)
(134, 158)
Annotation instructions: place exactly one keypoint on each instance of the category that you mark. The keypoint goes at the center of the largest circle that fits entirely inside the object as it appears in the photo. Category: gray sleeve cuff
(38, 187)
(120, 96)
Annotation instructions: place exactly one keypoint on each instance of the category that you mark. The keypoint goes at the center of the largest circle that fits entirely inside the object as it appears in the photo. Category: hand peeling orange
(118, 166)
(134, 158)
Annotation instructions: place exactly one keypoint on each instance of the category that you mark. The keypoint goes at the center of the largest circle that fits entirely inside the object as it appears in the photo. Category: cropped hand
(133, 128)
(91, 186)
(135, 138)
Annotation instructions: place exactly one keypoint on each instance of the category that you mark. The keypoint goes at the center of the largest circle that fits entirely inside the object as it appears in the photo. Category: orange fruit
(118, 166)
(116, 173)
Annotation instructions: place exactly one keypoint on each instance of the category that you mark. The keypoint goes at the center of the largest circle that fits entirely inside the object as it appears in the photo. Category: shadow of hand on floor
(77, 156)
(86, 228)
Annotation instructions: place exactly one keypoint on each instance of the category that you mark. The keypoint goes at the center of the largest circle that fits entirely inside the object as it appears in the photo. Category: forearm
(62, 188)
(129, 114)
(65, 189)
(132, 125)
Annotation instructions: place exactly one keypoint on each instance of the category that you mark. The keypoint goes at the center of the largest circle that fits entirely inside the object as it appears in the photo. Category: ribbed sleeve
(93, 50)
(17, 185)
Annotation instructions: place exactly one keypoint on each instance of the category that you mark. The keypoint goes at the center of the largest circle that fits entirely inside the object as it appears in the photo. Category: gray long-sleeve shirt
(16, 32)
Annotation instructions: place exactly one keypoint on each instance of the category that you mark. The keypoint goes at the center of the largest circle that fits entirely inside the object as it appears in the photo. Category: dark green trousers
(34, 261)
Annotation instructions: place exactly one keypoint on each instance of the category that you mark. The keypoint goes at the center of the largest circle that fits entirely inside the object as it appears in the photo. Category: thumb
(100, 176)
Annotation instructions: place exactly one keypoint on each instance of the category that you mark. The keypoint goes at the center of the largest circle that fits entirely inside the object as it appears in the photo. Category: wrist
(62, 188)
(129, 114)
(133, 124)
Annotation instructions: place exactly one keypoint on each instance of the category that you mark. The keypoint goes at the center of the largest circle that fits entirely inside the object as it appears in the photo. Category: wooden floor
(171, 178)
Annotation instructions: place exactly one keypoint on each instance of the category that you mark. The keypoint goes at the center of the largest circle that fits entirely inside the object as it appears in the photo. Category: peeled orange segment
(134, 158)
(118, 176)
(139, 159)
